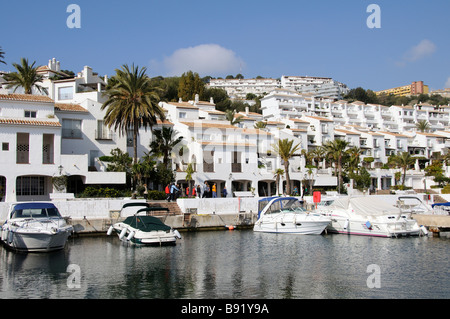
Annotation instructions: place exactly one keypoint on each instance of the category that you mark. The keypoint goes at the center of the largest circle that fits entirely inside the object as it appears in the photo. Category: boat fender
(10, 236)
(424, 230)
(122, 233)
(130, 236)
(110, 230)
(346, 224)
(177, 234)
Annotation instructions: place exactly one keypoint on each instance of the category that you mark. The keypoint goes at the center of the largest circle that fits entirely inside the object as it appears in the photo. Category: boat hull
(35, 241)
(139, 237)
(376, 229)
(291, 224)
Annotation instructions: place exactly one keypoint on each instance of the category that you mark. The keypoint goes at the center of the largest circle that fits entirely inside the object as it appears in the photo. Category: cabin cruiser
(142, 229)
(369, 216)
(286, 215)
(35, 227)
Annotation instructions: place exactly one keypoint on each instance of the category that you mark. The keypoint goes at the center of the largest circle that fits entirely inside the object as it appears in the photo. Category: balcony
(208, 167)
(104, 135)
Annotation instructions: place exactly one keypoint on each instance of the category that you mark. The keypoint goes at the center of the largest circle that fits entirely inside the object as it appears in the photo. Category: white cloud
(423, 49)
(205, 59)
(447, 84)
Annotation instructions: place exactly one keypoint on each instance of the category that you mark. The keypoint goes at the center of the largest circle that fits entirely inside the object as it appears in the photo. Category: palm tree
(278, 174)
(25, 77)
(354, 154)
(2, 56)
(319, 153)
(231, 116)
(132, 102)
(336, 151)
(285, 149)
(164, 142)
(423, 126)
(260, 125)
(403, 160)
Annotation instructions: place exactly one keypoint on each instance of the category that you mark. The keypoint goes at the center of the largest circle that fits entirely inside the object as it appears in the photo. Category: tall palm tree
(423, 126)
(132, 102)
(403, 160)
(285, 149)
(319, 154)
(164, 142)
(336, 151)
(25, 77)
(2, 56)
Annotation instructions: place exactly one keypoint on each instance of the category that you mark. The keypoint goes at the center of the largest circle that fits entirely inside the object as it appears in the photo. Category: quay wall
(96, 215)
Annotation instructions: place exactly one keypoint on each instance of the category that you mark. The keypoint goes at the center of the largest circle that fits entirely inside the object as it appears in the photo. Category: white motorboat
(35, 227)
(141, 229)
(369, 216)
(286, 215)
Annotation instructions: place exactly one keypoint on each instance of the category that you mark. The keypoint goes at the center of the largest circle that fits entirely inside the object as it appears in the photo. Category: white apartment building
(239, 88)
(317, 86)
(314, 86)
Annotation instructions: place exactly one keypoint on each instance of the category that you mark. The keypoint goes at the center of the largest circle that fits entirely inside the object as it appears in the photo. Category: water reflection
(233, 264)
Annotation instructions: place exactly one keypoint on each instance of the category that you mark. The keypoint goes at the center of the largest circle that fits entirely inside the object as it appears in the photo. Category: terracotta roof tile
(29, 122)
(26, 97)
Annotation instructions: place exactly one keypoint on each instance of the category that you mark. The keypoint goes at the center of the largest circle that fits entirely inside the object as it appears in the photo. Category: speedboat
(369, 216)
(142, 229)
(35, 227)
(286, 215)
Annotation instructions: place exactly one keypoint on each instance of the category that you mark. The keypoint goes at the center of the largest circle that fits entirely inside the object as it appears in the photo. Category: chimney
(197, 98)
(246, 110)
(180, 100)
(211, 100)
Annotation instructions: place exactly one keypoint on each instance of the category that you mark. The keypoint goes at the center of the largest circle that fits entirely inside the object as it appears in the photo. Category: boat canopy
(365, 206)
(146, 223)
(34, 210)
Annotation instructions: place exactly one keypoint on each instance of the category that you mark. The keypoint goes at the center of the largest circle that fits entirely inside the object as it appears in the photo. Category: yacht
(35, 227)
(143, 229)
(369, 216)
(286, 215)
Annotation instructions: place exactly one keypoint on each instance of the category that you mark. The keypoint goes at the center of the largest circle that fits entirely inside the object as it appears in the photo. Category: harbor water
(237, 264)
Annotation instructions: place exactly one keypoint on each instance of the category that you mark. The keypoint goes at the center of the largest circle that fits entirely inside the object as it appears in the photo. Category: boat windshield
(35, 213)
(284, 205)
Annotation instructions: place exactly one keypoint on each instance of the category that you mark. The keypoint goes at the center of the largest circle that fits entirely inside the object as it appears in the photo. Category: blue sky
(328, 38)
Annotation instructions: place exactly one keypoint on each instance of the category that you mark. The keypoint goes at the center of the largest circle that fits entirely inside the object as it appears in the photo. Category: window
(30, 185)
(182, 115)
(5, 146)
(71, 128)
(65, 93)
(47, 149)
(23, 148)
(30, 114)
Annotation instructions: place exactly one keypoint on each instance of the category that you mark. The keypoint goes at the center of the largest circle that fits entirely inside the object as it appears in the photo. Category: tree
(190, 84)
(189, 172)
(132, 102)
(163, 143)
(2, 56)
(403, 160)
(230, 115)
(336, 151)
(25, 77)
(286, 149)
(423, 126)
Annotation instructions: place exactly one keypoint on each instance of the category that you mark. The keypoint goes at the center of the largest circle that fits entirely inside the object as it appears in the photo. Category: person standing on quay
(167, 191)
(214, 190)
(224, 192)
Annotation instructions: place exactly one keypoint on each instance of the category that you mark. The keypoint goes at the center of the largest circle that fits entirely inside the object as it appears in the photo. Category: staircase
(438, 199)
(173, 207)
